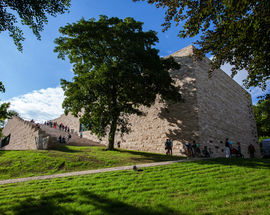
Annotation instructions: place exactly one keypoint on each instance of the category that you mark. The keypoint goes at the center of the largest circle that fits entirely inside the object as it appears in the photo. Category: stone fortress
(214, 109)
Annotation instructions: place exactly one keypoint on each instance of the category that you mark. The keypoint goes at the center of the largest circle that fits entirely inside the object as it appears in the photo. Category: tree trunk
(112, 133)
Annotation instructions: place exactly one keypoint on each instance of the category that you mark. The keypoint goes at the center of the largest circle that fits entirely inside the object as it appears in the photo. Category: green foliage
(32, 13)
(18, 164)
(3, 110)
(236, 32)
(262, 116)
(116, 70)
(216, 186)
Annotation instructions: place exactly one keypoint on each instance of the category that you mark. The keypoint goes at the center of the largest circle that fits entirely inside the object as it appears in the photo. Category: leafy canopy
(262, 116)
(4, 113)
(116, 70)
(31, 12)
(235, 31)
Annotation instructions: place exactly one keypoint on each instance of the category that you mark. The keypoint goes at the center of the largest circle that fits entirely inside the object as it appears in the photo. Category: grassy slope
(217, 186)
(16, 164)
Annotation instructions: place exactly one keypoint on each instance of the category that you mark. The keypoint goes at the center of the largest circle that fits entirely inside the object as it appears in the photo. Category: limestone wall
(23, 134)
(70, 121)
(225, 111)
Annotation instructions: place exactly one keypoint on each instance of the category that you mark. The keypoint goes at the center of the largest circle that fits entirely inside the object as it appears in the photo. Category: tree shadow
(64, 148)
(183, 116)
(151, 156)
(241, 162)
(68, 204)
(49, 204)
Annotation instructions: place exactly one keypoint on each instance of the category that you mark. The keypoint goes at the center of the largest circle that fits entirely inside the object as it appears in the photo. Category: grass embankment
(17, 164)
(217, 186)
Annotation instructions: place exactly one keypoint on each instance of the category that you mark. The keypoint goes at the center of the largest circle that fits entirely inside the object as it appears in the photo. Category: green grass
(216, 186)
(16, 164)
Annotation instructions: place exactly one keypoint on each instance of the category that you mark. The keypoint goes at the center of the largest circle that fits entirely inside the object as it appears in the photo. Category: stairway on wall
(75, 140)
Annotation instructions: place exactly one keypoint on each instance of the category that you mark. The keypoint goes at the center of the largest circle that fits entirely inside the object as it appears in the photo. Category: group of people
(193, 149)
(61, 127)
(230, 150)
(62, 139)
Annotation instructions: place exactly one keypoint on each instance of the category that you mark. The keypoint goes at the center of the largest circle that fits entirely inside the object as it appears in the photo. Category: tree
(262, 116)
(236, 32)
(31, 12)
(116, 70)
(3, 110)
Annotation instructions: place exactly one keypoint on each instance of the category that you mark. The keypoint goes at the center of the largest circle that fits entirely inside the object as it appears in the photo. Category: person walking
(251, 151)
(167, 146)
(227, 148)
(170, 146)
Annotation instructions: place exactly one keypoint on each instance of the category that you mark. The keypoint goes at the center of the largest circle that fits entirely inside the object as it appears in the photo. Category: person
(239, 153)
(64, 140)
(189, 150)
(227, 148)
(205, 152)
(68, 137)
(81, 134)
(59, 139)
(170, 146)
(118, 144)
(193, 148)
(197, 150)
(251, 151)
(167, 146)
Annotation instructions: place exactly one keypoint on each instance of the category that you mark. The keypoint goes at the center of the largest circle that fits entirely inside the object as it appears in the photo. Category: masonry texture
(23, 134)
(214, 108)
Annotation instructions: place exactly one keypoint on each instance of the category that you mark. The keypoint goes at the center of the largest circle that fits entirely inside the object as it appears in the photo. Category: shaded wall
(23, 134)
(224, 111)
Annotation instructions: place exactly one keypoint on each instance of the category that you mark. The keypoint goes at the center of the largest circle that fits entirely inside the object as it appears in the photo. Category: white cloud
(40, 105)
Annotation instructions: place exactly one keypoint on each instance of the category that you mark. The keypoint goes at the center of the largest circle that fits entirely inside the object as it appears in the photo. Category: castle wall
(23, 134)
(70, 121)
(225, 111)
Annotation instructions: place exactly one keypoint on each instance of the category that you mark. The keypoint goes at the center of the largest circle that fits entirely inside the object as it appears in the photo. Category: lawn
(16, 164)
(218, 186)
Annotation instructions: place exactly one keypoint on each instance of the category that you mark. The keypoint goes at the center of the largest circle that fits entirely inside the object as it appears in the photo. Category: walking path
(87, 172)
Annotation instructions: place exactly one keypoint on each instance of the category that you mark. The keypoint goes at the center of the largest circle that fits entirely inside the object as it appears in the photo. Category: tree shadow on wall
(54, 204)
(183, 116)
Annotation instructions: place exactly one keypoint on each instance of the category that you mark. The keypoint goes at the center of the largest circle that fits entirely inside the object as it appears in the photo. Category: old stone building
(214, 109)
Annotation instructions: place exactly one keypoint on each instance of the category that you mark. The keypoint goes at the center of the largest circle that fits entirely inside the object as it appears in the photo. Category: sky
(32, 78)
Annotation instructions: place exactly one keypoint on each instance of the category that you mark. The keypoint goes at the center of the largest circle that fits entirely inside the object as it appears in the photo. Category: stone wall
(23, 134)
(70, 121)
(224, 111)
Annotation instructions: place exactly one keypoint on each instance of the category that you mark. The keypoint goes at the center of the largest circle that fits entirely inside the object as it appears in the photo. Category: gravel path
(87, 172)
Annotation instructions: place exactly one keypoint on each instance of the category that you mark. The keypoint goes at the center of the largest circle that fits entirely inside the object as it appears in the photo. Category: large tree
(3, 109)
(236, 32)
(262, 116)
(30, 12)
(116, 71)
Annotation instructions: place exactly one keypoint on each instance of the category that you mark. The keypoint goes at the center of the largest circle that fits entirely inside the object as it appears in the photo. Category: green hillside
(17, 164)
(218, 186)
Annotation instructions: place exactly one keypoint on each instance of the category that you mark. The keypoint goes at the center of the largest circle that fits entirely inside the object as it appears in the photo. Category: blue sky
(32, 78)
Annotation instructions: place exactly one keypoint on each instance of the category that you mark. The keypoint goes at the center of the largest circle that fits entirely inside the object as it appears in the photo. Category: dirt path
(87, 172)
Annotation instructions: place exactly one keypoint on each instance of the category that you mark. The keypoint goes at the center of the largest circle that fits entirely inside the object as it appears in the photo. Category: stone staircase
(75, 140)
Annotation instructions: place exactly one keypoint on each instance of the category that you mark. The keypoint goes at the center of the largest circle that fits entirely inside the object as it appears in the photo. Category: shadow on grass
(250, 163)
(83, 203)
(151, 156)
(64, 148)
